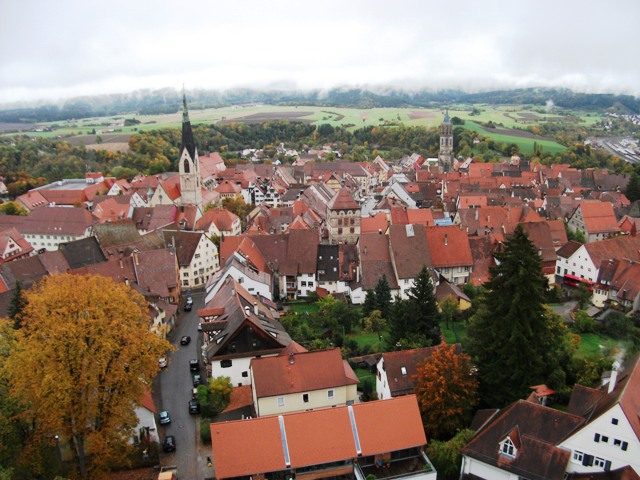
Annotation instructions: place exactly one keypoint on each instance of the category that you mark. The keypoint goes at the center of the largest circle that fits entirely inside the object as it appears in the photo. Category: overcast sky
(66, 48)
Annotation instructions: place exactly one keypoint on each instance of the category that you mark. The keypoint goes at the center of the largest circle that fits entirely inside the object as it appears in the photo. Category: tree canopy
(81, 361)
(447, 389)
(513, 338)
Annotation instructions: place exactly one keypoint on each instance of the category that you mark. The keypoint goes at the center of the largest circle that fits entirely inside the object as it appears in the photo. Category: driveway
(174, 388)
(565, 310)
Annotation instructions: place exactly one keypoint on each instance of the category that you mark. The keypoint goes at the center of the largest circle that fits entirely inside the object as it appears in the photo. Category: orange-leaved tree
(81, 361)
(446, 388)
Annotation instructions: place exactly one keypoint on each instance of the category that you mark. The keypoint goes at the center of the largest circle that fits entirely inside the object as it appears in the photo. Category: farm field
(506, 117)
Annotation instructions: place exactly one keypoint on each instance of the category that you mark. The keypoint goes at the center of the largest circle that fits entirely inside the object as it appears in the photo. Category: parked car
(194, 406)
(162, 362)
(194, 366)
(188, 304)
(186, 340)
(164, 417)
(169, 443)
(196, 380)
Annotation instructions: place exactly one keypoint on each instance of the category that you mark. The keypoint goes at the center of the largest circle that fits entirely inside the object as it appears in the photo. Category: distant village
(335, 227)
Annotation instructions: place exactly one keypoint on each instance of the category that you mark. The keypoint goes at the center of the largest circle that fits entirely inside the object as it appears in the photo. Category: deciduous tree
(447, 391)
(81, 361)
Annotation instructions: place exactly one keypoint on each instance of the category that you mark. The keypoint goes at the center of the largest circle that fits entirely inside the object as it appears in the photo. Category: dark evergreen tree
(383, 296)
(422, 296)
(414, 323)
(633, 188)
(16, 305)
(369, 303)
(515, 341)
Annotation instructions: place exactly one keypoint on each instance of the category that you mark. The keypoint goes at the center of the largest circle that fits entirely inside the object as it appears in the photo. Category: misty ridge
(168, 100)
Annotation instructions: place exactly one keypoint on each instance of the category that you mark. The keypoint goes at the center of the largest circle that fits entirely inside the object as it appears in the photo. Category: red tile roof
(303, 372)
(375, 260)
(598, 217)
(374, 224)
(389, 425)
(449, 247)
(248, 447)
(313, 439)
(343, 201)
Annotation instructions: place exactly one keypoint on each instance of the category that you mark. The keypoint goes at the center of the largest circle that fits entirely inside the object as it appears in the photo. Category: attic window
(507, 448)
(404, 371)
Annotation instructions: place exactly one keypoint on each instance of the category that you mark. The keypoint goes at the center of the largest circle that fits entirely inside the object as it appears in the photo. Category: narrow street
(174, 389)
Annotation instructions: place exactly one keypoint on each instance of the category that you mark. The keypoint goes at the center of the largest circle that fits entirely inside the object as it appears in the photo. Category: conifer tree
(423, 297)
(383, 296)
(513, 338)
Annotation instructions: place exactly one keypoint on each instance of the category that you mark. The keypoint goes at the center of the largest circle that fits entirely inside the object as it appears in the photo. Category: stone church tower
(445, 156)
(188, 164)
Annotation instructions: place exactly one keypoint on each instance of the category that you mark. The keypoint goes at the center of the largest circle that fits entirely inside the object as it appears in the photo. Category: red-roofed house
(596, 220)
(353, 441)
(13, 246)
(343, 218)
(450, 253)
(303, 381)
(146, 411)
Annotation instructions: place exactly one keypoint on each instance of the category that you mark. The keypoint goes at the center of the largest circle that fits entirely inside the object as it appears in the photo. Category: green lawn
(456, 334)
(593, 344)
(364, 374)
(365, 339)
(303, 308)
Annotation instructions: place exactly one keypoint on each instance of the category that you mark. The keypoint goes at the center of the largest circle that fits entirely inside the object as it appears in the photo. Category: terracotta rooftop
(248, 447)
(343, 201)
(303, 372)
(449, 247)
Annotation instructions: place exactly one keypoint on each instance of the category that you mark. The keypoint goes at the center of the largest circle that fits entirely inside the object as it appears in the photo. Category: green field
(593, 344)
(525, 144)
(506, 116)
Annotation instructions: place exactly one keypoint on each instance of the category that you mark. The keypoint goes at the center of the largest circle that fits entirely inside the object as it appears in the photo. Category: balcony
(414, 467)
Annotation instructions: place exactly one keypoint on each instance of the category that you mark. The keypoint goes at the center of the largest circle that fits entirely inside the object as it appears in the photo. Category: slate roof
(83, 252)
(539, 430)
(302, 372)
(185, 244)
(328, 263)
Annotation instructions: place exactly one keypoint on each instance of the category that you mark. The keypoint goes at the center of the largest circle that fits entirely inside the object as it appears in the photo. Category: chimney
(614, 376)
(126, 281)
(477, 213)
(255, 308)
(135, 258)
(446, 239)
(291, 359)
(247, 310)
(379, 231)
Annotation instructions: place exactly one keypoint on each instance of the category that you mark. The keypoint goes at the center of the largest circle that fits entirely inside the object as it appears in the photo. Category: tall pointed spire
(187, 134)
(446, 115)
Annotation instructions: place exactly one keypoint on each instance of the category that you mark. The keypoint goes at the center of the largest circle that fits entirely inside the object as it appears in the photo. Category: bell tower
(188, 164)
(445, 155)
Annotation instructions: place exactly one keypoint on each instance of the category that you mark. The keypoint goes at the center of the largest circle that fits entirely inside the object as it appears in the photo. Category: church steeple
(445, 155)
(188, 163)
(187, 134)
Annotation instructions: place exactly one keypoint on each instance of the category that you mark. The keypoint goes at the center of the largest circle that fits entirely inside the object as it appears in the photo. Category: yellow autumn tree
(81, 361)
(446, 388)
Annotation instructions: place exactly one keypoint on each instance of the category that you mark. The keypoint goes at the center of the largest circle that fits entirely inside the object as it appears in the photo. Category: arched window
(186, 166)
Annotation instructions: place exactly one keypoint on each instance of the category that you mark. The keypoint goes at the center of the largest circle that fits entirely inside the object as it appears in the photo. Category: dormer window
(507, 448)
(403, 370)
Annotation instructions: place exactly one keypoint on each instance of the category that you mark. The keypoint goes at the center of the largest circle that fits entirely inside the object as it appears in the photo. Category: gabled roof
(83, 252)
(375, 260)
(598, 217)
(374, 224)
(617, 248)
(271, 444)
(343, 201)
(540, 429)
(482, 254)
(448, 247)
(302, 372)
(231, 302)
(409, 250)
(222, 218)
(568, 249)
(55, 221)
(185, 244)
(401, 368)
